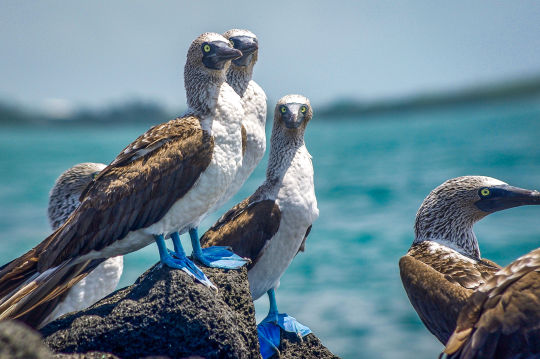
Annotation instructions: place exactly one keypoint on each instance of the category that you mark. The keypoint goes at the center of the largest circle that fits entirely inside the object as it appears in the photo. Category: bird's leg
(178, 249)
(268, 328)
(217, 256)
(181, 261)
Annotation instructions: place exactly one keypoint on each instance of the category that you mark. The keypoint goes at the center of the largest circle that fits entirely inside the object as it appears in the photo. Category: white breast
(188, 211)
(254, 121)
(96, 285)
(298, 206)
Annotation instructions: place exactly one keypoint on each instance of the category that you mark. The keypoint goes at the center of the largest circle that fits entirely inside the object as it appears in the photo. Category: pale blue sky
(101, 52)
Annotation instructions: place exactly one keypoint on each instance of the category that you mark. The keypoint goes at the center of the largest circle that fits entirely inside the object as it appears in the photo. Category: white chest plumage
(254, 120)
(298, 206)
(189, 210)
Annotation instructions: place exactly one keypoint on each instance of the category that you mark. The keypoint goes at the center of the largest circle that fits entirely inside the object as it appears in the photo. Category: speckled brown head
(208, 60)
(449, 212)
(64, 196)
(241, 69)
(293, 112)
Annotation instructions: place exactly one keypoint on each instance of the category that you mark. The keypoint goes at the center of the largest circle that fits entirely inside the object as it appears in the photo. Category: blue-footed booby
(63, 200)
(443, 266)
(501, 319)
(270, 226)
(162, 183)
(253, 133)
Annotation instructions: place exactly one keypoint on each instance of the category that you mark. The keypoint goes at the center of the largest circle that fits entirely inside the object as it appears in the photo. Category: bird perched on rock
(163, 183)
(239, 77)
(501, 319)
(63, 200)
(443, 266)
(270, 226)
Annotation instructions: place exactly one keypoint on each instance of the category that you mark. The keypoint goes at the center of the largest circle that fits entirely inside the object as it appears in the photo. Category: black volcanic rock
(166, 314)
(19, 341)
(308, 347)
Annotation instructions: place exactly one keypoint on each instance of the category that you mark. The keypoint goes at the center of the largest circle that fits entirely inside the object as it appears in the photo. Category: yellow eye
(283, 109)
(485, 192)
(303, 109)
(206, 48)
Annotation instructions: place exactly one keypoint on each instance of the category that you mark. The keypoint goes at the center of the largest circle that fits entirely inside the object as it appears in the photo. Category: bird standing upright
(270, 226)
(63, 200)
(162, 183)
(239, 77)
(443, 266)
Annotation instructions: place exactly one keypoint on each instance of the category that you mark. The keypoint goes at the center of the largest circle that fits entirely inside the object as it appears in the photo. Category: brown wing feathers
(133, 192)
(502, 318)
(438, 286)
(246, 228)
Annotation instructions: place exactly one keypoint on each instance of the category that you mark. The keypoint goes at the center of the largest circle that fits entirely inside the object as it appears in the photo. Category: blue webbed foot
(268, 329)
(216, 257)
(180, 261)
(269, 339)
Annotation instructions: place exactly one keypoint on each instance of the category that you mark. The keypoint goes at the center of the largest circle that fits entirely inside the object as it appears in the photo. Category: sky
(66, 54)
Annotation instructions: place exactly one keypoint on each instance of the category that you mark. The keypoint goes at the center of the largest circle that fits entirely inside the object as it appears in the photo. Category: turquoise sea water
(371, 175)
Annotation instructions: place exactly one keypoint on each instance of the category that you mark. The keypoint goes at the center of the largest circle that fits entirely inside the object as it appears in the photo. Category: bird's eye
(283, 109)
(484, 192)
(206, 48)
(303, 109)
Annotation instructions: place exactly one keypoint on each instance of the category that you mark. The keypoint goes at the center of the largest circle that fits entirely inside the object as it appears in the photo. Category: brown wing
(436, 300)
(438, 285)
(468, 274)
(502, 318)
(247, 227)
(133, 192)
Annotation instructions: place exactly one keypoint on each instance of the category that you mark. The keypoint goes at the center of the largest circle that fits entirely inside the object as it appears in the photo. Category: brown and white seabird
(164, 182)
(501, 319)
(239, 77)
(443, 266)
(63, 200)
(270, 226)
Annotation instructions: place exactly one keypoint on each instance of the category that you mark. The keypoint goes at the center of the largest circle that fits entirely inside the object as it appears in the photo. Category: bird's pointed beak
(293, 118)
(247, 45)
(509, 197)
(223, 52)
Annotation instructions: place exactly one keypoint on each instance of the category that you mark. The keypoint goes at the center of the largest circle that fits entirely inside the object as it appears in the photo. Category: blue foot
(181, 262)
(269, 339)
(216, 257)
(268, 329)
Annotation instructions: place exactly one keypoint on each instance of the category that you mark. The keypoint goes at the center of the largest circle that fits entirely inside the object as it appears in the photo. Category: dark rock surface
(166, 314)
(19, 341)
(309, 347)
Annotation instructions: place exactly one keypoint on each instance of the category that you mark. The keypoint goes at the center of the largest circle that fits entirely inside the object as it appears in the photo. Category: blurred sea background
(379, 146)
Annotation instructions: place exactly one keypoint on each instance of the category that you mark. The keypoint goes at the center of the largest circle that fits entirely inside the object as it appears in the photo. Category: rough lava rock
(19, 341)
(165, 313)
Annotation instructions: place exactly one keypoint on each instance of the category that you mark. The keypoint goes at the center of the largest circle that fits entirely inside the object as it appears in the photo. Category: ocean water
(371, 175)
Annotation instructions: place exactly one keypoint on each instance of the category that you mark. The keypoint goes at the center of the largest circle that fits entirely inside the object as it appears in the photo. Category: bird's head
(211, 53)
(293, 112)
(247, 43)
(451, 209)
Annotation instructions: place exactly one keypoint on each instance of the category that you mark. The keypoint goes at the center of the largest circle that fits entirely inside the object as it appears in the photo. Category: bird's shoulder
(247, 227)
(457, 268)
(503, 315)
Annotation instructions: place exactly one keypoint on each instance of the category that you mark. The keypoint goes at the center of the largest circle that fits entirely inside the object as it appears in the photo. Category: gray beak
(504, 197)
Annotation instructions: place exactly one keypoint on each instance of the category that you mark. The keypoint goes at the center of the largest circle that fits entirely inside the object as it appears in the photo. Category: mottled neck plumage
(202, 89)
(239, 78)
(284, 144)
(448, 224)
